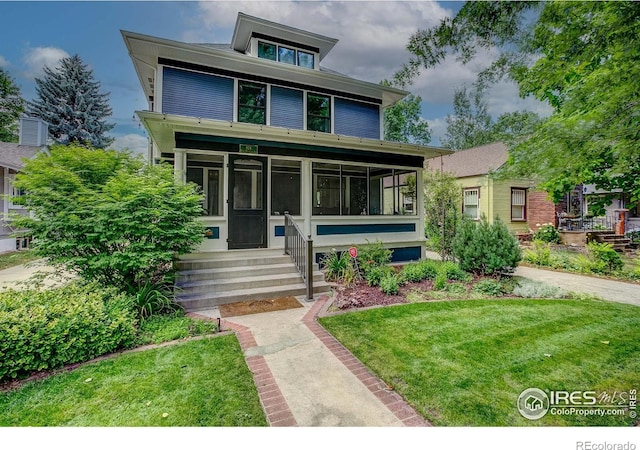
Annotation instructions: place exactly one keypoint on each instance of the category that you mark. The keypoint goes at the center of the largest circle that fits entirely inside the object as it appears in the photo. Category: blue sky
(372, 39)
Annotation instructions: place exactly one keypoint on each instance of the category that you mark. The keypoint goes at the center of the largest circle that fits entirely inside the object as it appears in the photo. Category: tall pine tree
(69, 99)
(11, 106)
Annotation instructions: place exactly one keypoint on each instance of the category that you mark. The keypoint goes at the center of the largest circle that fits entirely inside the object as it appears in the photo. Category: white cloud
(3, 62)
(372, 46)
(372, 35)
(438, 127)
(136, 143)
(37, 58)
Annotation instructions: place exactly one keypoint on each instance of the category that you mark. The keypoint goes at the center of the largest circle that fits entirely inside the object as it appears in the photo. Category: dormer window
(286, 54)
(267, 50)
(306, 59)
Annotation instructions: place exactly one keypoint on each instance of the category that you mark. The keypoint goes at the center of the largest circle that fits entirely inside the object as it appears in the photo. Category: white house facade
(265, 130)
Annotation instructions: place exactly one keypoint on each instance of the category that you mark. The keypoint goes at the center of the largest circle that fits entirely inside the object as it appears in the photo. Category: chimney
(33, 131)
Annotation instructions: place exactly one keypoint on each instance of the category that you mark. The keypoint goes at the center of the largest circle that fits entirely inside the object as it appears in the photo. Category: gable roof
(473, 161)
(12, 155)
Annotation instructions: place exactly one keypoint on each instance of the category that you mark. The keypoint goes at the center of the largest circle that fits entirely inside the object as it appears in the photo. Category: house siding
(495, 200)
(287, 108)
(197, 94)
(356, 119)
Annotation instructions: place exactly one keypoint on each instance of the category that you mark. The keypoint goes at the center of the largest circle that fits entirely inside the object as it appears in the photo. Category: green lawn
(466, 362)
(12, 259)
(197, 383)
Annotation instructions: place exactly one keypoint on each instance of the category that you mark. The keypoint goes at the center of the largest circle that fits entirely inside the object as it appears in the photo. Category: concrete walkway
(307, 378)
(615, 291)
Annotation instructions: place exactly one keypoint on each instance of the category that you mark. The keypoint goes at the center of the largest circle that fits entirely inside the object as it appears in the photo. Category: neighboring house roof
(473, 161)
(12, 155)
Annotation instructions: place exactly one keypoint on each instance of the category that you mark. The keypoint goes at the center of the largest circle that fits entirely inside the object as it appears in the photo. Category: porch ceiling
(163, 127)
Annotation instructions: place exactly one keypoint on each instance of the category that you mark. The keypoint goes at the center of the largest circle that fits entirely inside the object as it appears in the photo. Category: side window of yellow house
(518, 204)
(471, 203)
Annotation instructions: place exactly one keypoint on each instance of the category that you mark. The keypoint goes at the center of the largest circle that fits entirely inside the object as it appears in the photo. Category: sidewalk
(615, 291)
(307, 378)
(611, 290)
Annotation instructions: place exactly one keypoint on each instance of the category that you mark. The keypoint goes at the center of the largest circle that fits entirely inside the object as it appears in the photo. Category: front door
(247, 202)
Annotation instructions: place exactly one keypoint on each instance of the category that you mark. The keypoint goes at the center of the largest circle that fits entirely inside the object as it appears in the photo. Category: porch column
(307, 196)
(420, 208)
(180, 165)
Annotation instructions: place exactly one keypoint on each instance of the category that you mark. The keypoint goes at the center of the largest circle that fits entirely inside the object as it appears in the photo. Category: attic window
(286, 54)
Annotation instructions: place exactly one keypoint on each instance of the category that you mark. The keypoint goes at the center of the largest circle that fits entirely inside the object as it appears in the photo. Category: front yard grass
(466, 362)
(16, 258)
(198, 383)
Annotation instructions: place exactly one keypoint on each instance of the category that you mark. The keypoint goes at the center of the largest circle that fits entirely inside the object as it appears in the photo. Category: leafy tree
(106, 216)
(511, 126)
(442, 204)
(402, 121)
(11, 106)
(581, 58)
(470, 125)
(69, 100)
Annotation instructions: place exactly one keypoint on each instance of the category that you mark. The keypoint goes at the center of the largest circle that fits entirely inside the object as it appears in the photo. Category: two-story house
(264, 129)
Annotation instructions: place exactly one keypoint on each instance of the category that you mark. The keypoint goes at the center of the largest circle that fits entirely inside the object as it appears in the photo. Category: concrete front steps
(207, 280)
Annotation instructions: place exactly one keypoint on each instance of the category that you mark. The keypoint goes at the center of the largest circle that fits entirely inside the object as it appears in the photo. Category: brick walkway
(392, 400)
(275, 404)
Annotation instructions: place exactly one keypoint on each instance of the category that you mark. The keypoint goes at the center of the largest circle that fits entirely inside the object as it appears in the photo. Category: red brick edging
(392, 400)
(273, 402)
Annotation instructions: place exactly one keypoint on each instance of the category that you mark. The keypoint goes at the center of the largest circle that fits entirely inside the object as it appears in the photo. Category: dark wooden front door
(247, 201)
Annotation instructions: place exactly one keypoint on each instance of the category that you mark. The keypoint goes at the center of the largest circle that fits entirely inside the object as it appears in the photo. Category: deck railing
(300, 248)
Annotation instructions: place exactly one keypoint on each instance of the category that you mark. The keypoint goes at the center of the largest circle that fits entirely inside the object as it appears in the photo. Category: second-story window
(319, 113)
(252, 102)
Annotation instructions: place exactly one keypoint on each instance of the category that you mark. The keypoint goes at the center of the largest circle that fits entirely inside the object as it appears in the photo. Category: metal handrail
(300, 248)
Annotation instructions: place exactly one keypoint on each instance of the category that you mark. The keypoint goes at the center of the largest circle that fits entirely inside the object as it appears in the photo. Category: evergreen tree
(69, 99)
(11, 106)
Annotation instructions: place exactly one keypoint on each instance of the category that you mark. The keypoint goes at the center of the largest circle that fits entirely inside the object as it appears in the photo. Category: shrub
(453, 271)
(547, 233)
(416, 272)
(389, 284)
(46, 329)
(373, 255)
(375, 274)
(429, 268)
(537, 289)
(486, 249)
(440, 281)
(606, 259)
(456, 288)
(540, 255)
(489, 287)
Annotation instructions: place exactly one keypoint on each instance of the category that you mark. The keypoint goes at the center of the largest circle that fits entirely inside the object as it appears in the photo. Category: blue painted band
(212, 232)
(323, 230)
(279, 230)
(400, 254)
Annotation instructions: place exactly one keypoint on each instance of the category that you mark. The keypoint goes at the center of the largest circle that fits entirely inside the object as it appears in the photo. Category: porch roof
(164, 127)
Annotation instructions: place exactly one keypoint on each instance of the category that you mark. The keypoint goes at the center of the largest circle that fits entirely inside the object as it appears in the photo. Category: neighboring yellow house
(515, 201)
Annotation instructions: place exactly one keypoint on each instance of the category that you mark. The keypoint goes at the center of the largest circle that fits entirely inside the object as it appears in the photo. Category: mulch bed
(258, 306)
(362, 296)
